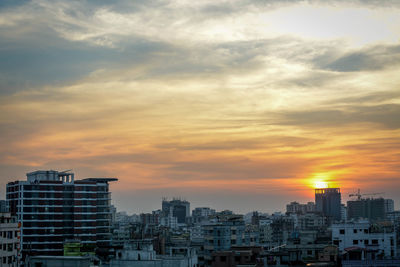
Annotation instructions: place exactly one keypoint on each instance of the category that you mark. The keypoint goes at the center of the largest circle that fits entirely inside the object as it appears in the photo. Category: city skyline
(244, 105)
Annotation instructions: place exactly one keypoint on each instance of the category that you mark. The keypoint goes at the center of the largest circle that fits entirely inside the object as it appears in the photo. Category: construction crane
(359, 195)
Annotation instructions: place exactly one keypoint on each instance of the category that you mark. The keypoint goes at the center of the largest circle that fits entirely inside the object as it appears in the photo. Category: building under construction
(373, 209)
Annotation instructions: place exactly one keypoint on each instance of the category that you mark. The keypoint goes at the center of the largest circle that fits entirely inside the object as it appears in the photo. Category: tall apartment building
(179, 209)
(369, 208)
(9, 242)
(328, 202)
(52, 207)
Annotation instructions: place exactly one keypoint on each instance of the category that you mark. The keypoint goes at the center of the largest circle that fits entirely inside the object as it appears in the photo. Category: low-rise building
(373, 240)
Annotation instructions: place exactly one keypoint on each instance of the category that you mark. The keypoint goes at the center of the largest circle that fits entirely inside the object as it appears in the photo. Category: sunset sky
(241, 105)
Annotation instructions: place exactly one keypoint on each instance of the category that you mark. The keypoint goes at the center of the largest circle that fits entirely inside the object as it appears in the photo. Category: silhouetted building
(52, 207)
(179, 208)
(328, 201)
(369, 208)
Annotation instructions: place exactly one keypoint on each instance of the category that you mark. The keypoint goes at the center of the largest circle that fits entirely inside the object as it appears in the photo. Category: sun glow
(320, 184)
(320, 180)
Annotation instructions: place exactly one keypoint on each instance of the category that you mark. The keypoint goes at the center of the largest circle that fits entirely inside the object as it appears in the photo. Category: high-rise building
(179, 209)
(328, 202)
(369, 208)
(52, 207)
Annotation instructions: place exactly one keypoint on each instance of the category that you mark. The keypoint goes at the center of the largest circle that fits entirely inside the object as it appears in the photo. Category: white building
(365, 236)
(9, 243)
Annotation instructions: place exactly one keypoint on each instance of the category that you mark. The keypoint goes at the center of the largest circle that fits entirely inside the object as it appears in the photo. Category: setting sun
(320, 184)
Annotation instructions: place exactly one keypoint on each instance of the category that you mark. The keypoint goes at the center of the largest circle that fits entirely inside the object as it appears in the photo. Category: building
(201, 214)
(328, 202)
(373, 241)
(52, 207)
(389, 205)
(141, 253)
(295, 207)
(9, 240)
(369, 208)
(61, 261)
(220, 235)
(3, 206)
(177, 208)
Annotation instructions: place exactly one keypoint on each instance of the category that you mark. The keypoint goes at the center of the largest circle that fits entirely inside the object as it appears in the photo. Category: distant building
(150, 218)
(389, 205)
(369, 208)
(201, 214)
(141, 253)
(343, 212)
(227, 231)
(3, 206)
(9, 243)
(328, 202)
(52, 207)
(295, 207)
(177, 208)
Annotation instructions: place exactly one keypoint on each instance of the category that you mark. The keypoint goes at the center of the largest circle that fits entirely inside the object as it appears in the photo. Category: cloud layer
(238, 99)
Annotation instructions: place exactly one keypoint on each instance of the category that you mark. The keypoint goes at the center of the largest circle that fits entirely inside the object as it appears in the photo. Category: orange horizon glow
(258, 99)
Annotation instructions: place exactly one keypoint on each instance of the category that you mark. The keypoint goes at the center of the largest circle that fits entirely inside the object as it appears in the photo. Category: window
(336, 242)
(309, 252)
(366, 242)
(374, 241)
(355, 242)
(365, 231)
(223, 258)
(355, 231)
(341, 231)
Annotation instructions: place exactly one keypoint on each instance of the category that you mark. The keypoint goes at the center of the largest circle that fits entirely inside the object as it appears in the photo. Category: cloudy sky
(238, 104)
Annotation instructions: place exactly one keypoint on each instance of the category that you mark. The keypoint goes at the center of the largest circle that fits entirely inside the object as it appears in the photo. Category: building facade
(52, 207)
(373, 240)
(177, 208)
(328, 202)
(9, 240)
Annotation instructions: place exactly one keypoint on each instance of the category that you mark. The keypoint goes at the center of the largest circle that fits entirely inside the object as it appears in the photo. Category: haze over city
(241, 105)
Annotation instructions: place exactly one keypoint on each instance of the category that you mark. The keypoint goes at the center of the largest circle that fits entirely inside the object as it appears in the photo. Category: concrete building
(177, 208)
(140, 253)
(3, 206)
(375, 241)
(9, 240)
(328, 202)
(372, 209)
(60, 261)
(201, 214)
(52, 207)
(224, 232)
(295, 207)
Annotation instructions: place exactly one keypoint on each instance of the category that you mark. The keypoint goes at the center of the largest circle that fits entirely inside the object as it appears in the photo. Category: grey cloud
(386, 115)
(372, 58)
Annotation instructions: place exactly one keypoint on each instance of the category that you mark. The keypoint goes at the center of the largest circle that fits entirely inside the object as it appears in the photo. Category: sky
(242, 105)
